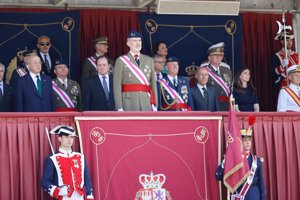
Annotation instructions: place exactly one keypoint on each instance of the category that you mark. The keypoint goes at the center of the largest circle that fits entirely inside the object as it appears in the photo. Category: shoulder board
(225, 65)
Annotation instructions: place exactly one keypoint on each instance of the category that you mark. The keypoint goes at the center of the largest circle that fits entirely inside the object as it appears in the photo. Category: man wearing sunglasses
(48, 59)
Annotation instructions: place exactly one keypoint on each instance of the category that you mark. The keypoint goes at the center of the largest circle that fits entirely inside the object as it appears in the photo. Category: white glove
(154, 108)
(120, 109)
(223, 163)
(63, 191)
(284, 62)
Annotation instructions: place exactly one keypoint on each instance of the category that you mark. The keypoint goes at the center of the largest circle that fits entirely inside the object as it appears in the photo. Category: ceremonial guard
(134, 78)
(67, 93)
(220, 77)
(175, 90)
(254, 187)
(289, 97)
(89, 67)
(66, 175)
(285, 57)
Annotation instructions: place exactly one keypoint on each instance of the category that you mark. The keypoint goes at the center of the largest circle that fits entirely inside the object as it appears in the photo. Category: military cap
(293, 68)
(61, 62)
(134, 34)
(63, 130)
(280, 36)
(172, 59)
(216, 49)
(101, 40)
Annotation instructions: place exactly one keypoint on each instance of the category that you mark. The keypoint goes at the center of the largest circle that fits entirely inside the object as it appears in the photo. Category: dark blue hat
(134, 34)
(172, 59)
(61, 62)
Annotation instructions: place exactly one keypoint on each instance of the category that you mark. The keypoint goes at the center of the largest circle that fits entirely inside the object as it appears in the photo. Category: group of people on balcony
(138, 82)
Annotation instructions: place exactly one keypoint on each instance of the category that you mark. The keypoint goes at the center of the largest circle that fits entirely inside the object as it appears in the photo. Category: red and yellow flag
(236, 165)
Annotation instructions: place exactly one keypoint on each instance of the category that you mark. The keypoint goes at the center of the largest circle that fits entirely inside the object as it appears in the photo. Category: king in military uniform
(254, 187)
(67, 94)
(220, 77)
(66, 175)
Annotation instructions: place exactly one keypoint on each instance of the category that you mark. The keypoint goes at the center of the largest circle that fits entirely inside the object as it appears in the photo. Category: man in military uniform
(66, 174)
(134, 78)
(220, 77)
(175, 90)
(67, 94)
(289, 97)
(89, 67)
(280, 62)
(255, 189)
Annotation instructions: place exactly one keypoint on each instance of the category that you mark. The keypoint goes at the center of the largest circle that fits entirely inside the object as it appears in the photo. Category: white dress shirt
(107, 80)
(33, 76)
(200, 88)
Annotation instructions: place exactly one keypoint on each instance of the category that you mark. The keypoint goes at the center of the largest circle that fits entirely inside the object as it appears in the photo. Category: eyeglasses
(44, 43)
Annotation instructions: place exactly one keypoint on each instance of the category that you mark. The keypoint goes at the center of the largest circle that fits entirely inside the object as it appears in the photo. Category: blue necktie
(175, 82)
(39, 85)
(47, 63)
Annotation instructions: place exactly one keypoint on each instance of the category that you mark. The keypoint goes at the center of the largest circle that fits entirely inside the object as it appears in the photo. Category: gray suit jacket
(133, 101)
(198, 99)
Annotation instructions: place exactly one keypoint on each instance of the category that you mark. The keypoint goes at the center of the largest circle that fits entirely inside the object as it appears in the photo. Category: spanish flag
(236, 165)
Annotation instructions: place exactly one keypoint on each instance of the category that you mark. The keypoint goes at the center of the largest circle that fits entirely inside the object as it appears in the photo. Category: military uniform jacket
(226, 75)
(72, 90)
(68, 169)
(257, 188)
(183, 89)
(89, 68)
(133, 101)
(293, 58)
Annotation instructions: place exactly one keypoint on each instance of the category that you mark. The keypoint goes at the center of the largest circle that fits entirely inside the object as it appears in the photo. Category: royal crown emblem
(191, 70)
(152, 187)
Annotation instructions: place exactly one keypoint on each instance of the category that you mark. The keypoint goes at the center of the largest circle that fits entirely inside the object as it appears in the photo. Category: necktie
(47, 63)
(105, 87)
(175, 82)
(157, 77)
(205, 95)
(39, 85)
(1, 95)
(64, 86)
(137, 60)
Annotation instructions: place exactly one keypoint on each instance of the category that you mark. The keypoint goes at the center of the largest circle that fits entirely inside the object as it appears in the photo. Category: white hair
(3, 67)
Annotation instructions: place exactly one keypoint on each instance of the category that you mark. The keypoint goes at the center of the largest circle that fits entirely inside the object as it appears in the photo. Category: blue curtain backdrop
(20, 31)
(189, 37)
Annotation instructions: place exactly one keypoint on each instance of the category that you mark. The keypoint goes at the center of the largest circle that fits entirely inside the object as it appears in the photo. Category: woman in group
(244, 92)
(161, 49)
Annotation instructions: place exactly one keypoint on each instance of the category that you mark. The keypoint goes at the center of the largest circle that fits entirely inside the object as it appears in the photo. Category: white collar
(61, 81)
(63, 151)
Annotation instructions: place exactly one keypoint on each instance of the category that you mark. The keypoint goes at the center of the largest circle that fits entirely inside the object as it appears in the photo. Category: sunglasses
(44, 43)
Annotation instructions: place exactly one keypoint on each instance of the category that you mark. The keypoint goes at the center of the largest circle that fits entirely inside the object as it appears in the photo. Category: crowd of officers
(134, 82)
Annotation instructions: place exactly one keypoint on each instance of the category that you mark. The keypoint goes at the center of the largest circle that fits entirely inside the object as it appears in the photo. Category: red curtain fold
(113, 23)
(258, 51)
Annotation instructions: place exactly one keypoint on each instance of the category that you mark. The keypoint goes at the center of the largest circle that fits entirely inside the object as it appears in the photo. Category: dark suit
(6, 106)
(94, 97)
(53, 57)
(198, 99)
(28, 98)
(17, 74)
